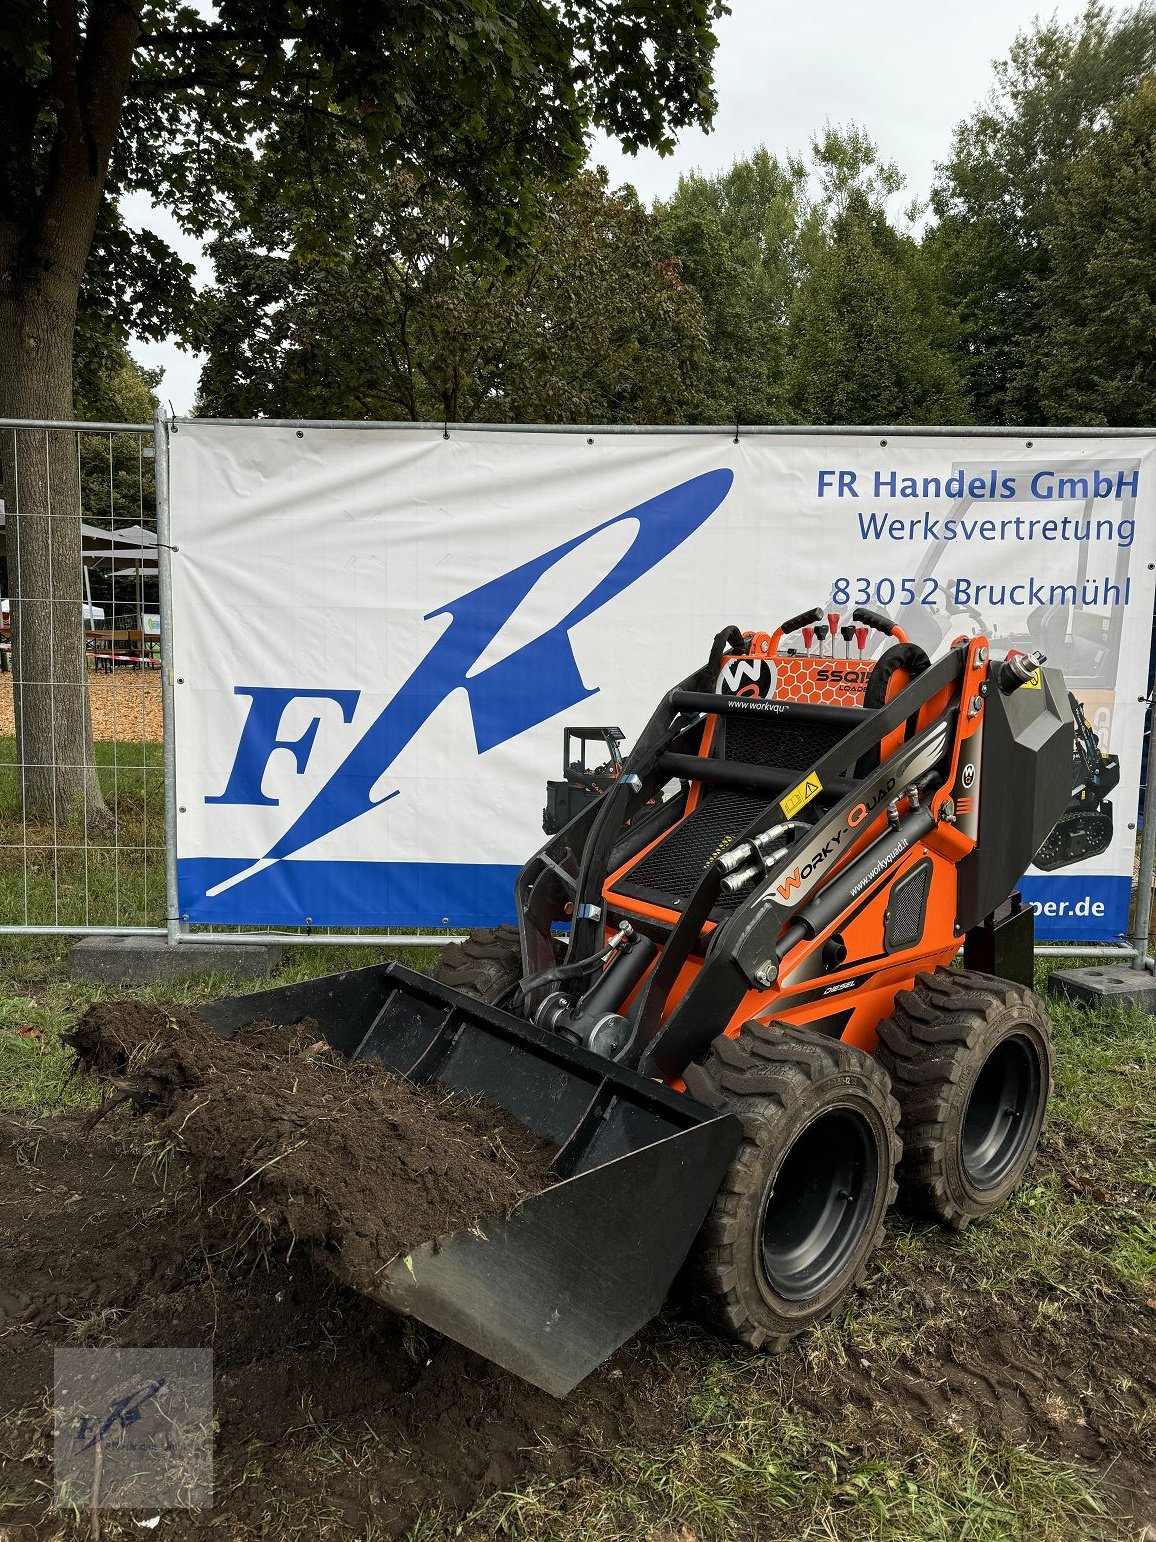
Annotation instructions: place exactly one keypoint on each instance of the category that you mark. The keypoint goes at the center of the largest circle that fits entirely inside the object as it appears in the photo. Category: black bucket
(552, 1289)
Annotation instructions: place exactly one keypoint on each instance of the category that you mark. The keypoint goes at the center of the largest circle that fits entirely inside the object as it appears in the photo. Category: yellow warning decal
(798, 797)
(1033, 682)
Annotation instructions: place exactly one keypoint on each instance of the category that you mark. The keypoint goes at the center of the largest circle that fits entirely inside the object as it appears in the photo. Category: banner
(380, 633)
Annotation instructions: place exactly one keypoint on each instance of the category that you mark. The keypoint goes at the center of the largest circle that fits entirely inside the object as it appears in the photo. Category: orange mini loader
(728, 1000)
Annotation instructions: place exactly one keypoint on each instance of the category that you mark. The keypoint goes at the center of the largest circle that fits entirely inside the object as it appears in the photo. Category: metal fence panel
(81, 850)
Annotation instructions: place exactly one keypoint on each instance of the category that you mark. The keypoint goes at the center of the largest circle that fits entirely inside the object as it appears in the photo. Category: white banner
(379, 634)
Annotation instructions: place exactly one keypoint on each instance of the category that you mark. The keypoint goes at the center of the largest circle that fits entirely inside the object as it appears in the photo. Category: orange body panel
(861, 990)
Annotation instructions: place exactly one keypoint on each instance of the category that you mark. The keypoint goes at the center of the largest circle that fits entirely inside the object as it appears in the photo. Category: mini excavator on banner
(728, 999)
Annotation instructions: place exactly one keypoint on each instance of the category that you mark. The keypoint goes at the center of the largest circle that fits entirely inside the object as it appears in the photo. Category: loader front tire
(970, 1060)
(486, 966)
(802, 1207)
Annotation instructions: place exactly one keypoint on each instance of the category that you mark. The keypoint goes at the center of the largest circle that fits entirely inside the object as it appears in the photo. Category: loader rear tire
(970, 1060)
(486, 966)
(802, 1207)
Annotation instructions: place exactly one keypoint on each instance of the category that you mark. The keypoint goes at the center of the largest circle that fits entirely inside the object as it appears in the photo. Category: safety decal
(798, 797)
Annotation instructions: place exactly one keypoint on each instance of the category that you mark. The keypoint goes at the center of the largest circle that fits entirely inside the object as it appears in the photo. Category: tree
(1098, 352)
(116, 479)
(97, 96)
(998, 193)
(109, 385)
(734, 237)
(867, 340)
(407, 313)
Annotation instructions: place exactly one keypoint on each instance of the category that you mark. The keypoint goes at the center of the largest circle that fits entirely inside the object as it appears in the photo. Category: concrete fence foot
(1105, 985)
(151, 961)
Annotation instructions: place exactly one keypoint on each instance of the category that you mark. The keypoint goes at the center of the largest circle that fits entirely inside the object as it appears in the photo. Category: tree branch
(175, 36)
(63, 56)
(86, 128)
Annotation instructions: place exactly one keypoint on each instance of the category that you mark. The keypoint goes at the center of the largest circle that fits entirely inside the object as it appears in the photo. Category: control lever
(879, 622)
(833, 623)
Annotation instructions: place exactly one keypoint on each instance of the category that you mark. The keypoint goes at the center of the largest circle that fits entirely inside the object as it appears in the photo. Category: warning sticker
(800, 796)
(1032, 683)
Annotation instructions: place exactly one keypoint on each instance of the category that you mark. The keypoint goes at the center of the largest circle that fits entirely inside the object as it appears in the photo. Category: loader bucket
(552, 1289)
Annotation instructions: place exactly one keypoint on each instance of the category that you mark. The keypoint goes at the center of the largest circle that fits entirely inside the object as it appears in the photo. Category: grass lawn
(994, 1385)
(56, 876)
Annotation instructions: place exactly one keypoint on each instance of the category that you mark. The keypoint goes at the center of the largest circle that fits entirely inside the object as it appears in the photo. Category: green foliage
(109, 386)
(471, 94)
(135, 285)
(406, 311)
(734, 237)
(817, 309)
(1001, 190)
(1099, 301)
(866, 336)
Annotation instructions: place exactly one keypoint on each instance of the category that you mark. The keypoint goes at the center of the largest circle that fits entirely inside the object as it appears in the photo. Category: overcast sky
(905, 70)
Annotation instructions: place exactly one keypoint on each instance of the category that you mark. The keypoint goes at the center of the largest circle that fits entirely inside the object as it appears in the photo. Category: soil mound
(102, 1246)
(337, 1418)
(287, 1141)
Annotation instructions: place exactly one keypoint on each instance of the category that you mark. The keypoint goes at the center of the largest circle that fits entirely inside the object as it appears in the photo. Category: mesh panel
(905, 907)
(675, 866)
(785, 742)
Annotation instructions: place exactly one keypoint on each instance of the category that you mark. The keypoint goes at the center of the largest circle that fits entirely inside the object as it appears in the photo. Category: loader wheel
(970, 1060)
(801, 1209)
(486, 966)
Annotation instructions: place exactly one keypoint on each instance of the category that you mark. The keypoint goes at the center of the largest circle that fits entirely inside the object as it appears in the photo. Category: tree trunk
(41, 488)
(52, 191)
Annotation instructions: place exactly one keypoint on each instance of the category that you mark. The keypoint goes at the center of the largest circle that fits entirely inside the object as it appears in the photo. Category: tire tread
(923, 1047)
(764, 1075)
(484, 966)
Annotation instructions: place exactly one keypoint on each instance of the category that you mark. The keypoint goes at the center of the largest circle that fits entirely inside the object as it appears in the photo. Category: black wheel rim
(999, 1124)
(818, 1204)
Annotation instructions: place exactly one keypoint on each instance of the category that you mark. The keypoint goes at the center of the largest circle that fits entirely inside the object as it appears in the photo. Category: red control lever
(833, 623)
(808, 637)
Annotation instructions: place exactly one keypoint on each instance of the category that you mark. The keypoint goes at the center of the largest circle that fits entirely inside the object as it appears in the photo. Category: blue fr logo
(535, 682)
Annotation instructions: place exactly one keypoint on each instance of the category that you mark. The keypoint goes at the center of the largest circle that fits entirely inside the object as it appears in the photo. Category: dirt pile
(338, 1419)
(288, 1142)
(326, 1402)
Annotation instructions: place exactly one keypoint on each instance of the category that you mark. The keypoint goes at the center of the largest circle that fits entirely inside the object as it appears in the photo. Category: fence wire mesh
(82, 820)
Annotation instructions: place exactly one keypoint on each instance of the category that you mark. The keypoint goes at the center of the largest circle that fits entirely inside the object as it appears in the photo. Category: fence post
(1142, 925)
(173, 924)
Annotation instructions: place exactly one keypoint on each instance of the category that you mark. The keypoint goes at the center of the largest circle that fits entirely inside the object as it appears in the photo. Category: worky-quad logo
(528, 686)
(748, 679)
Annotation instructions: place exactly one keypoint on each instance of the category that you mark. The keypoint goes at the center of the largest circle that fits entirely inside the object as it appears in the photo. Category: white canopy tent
(130, 552)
